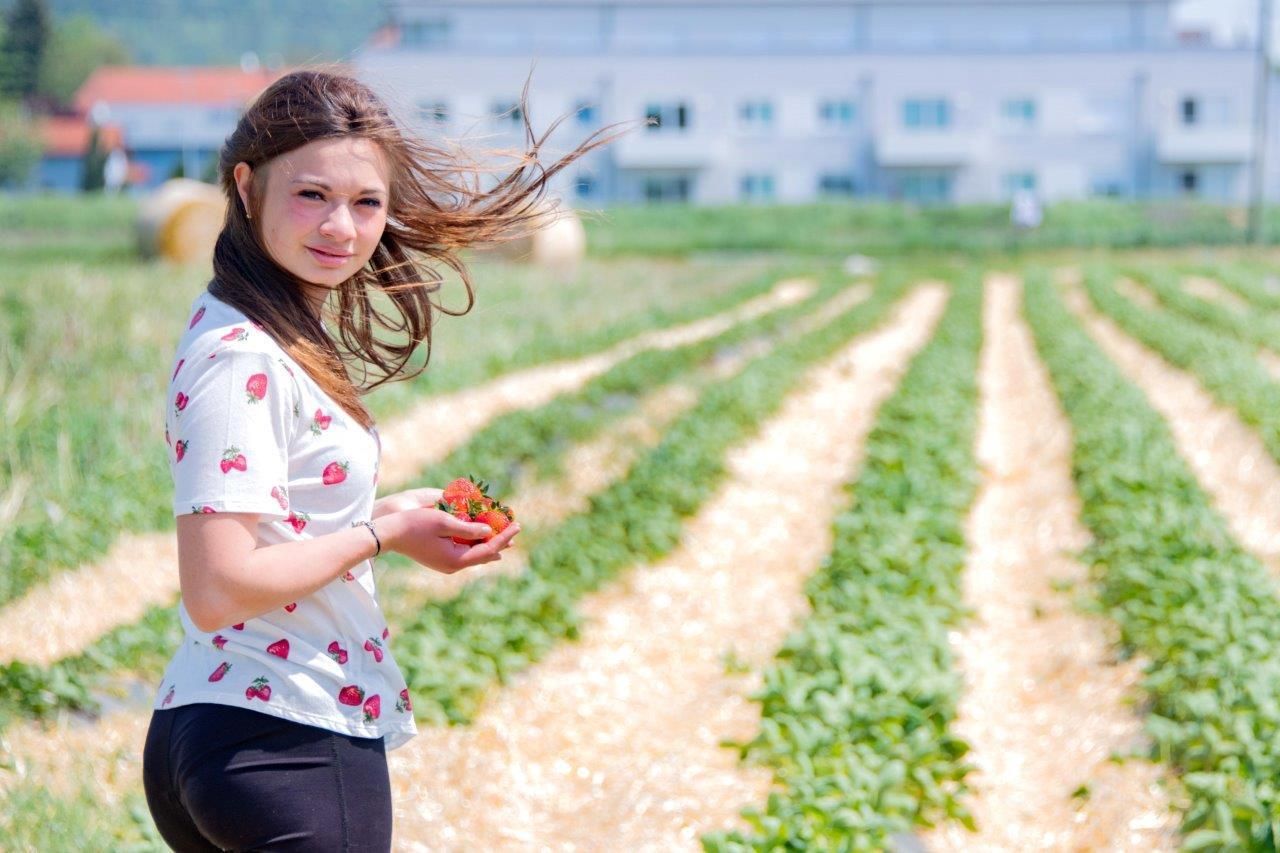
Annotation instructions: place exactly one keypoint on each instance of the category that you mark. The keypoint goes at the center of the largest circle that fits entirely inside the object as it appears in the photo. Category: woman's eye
(311, 194)
(371, 202)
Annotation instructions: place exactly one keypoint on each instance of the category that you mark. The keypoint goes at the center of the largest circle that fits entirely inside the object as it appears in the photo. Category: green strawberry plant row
(857, 707)
(1256, 327)
(1247, 281)
(537, 436)
(1185, 596)
(456, 650)
(93, 511)
(1228, 369)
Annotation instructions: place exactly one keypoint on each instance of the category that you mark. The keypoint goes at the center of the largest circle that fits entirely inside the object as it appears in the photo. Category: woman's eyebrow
(324, 186)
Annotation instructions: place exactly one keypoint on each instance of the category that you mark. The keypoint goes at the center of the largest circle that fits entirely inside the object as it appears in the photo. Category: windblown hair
(436, 209)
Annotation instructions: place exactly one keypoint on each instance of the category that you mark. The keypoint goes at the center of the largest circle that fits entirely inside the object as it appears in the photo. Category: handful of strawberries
(468, 499)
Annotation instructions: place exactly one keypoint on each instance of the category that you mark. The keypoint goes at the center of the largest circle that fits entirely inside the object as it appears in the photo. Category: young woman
(272, 720)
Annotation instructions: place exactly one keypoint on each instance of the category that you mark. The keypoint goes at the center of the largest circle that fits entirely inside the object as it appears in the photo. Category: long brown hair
(436, 208)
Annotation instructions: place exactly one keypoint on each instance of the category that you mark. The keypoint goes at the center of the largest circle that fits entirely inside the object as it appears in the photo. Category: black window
(1189, 111)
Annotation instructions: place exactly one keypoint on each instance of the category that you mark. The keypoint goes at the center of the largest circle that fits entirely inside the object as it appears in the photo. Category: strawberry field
(959, 551)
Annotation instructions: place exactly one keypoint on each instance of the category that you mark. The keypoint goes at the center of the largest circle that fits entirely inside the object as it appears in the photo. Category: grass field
(805, 583)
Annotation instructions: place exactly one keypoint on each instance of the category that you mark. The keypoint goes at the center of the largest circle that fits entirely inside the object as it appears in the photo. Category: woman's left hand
(408, 499)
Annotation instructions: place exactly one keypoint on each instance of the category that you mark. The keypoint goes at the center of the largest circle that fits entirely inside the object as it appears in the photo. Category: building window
(667, 117)
(836, 114)
(425, 34)
(584, 186)
(1018, 114)
(925, 187)
(1189, 181)
(755, 115)
(1015, 181)
(837, 185)
(757, 187)
(507, 112)
(433, 112)
(659, 188)
(926, 113)
(586, 112)
(1189, 111)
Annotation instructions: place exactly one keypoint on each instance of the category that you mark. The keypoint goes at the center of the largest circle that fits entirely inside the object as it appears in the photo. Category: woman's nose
(338, 225)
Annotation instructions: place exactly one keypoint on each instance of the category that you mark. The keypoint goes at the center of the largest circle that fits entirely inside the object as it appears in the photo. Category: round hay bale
(180, 221)
(560, 245)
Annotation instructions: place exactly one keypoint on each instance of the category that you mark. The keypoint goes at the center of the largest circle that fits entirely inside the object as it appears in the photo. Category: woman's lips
(328, 259)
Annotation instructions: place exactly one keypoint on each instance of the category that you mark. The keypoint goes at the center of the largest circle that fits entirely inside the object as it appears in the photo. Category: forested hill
(210, 32)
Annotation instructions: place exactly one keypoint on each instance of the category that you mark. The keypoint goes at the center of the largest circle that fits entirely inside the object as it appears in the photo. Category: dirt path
(612, 742)
(1045, 702)
(1211, 291)
(1227, 458)
(66, 614)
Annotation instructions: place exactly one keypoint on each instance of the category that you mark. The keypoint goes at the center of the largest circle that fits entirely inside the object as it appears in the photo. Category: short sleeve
(232, 418)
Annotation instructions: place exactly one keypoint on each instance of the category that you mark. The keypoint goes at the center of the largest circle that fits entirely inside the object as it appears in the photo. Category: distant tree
(78, 47)
(95, 161)
(19, 144)
(26, 37)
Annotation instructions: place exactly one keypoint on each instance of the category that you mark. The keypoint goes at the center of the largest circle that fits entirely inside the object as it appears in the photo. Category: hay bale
(180, 221)
(559, 246)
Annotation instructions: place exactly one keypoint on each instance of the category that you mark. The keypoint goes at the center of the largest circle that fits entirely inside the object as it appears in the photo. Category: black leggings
(219, 777)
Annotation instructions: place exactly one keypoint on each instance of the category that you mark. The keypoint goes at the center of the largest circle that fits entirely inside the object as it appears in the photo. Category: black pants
(219, 777)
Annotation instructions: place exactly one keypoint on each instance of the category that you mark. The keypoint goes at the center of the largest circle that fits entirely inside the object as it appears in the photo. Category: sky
(1228, 19)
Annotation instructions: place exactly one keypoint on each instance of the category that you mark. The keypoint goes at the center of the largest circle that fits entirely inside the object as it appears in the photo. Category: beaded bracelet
(369, 524)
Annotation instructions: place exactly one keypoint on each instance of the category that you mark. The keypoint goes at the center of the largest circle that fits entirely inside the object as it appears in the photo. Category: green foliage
(22, 50)
(881, 227)
(19, 145)
(856, 709)
(218, 32)
(33, 818)
(1184, 595)
(78, 47)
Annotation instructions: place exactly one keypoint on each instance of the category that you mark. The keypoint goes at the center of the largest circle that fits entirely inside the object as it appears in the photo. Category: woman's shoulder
(219, 334)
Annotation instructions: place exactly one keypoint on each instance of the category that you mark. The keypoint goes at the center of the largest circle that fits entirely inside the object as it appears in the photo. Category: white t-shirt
(249, 431)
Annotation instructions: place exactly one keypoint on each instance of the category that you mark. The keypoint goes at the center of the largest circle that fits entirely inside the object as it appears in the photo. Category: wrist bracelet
(369, 524)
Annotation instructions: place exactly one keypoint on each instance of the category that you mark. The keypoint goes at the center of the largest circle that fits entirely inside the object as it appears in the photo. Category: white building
(795, 100)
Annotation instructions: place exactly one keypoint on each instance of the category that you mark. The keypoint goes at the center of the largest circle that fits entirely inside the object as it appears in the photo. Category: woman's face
(322, 210)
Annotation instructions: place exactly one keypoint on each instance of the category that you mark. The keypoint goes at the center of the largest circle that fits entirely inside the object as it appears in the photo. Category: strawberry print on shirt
(249, 431)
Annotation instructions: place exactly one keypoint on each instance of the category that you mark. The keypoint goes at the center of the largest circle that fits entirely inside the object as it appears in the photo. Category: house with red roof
(165, 118)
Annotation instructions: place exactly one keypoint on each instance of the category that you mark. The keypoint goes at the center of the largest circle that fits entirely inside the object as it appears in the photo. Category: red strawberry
(496, 519)
(403, 704)
(168, 697)
(217, 674)
(372, 645)
(233, 458)
(280, 648)
(298, 521)
(461, 492)
(236, 334)
(285, 366)
(181, 362)
(180, 401)
(256, 325)
(239, 626)
(372, 708)
(291, 606)
(259, 688)
(337, 652)
(220, 641)
(197, 510)
(351, 695)
(257, 387)
(280, 496)
(335, 472)
(320, 421)
(196, 318)
(386, 632)
(180, 448)
(348, 577)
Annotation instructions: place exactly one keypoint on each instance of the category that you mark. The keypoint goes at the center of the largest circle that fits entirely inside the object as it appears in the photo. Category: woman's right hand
(424, 536)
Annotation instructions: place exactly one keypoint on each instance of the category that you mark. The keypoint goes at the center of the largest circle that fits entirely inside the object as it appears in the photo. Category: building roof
(68, 136)
(158, 85)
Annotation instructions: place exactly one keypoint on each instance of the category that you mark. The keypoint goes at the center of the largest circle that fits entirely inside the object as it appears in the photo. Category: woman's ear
(243, 174)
